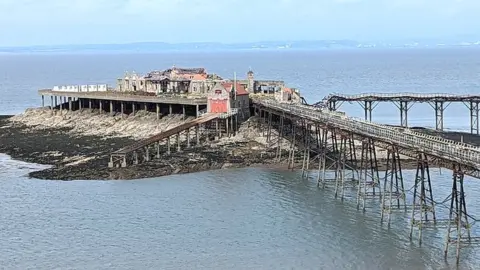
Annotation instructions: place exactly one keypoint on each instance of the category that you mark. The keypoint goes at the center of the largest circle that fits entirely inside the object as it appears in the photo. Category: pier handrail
(126, 96)
(407, 95)
(447, 149)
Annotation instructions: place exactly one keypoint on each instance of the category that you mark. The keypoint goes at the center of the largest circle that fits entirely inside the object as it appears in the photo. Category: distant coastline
(158, 47)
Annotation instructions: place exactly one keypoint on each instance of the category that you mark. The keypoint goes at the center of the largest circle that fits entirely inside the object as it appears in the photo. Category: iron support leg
(393, 187)
(423, 210)
(439, 108)
(458, 224)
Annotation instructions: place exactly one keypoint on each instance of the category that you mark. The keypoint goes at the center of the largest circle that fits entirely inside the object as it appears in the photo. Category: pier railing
(404, 95)
(447, 149)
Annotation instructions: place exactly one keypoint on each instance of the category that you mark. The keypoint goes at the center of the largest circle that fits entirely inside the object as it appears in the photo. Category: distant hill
(201, 46)
(215, 46)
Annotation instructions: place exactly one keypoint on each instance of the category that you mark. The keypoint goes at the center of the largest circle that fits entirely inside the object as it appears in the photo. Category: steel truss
(423, 210)
(393, 187)
(369, 179)
(458, 232)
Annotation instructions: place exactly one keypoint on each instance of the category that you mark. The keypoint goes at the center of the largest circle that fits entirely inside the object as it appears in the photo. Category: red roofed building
(224, 97)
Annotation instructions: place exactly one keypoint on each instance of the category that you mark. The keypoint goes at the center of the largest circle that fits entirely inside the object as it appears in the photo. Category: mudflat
(78, 145)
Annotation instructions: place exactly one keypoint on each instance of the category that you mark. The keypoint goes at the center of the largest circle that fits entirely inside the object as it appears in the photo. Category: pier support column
(404, 106)
(80, 104)
(394, 197)
(70, 104)
(56, 103)
(170, 109)
(51, 102)
(43, 101)
(197, 134)
(100, 106)
(439, 107)
(168, 146)
(217, 129)
(474, 112)
(89, 104)
(197, 111)
(145, 107)
(459, 225)
(183, 112)
(188, 137)
(147, 153)
(133, 108)
(179, 149)
(135, 157)
(111, 107)
(226, 128)
(368, 107)
(61, 104)
(121, 108)
(158, 111)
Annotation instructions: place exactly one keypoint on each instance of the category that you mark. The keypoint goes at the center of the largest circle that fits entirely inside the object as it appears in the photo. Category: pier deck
(221, 122)
(119, 96)
(324, 134)
(165, 134)
(404, 101)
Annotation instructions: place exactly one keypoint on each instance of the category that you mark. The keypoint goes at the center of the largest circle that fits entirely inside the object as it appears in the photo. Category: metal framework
(393, 187)
(369, 180)
(404, 101)
(330, 137)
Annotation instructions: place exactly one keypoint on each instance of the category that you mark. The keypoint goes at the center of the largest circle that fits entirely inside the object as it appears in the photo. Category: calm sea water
(233, 219)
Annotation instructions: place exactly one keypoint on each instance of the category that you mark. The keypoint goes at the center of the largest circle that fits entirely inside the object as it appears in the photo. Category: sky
(55, 22)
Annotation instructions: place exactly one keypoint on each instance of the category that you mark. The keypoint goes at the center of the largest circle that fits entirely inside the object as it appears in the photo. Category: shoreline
(75, 150)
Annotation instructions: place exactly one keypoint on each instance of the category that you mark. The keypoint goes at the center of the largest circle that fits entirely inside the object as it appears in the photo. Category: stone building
(174, 81)
(286, 94)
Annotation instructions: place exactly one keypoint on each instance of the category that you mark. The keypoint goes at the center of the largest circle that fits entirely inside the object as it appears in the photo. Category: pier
(404, 101)
(326, 137)
(208, 126)
(124, 103)
(321, 135)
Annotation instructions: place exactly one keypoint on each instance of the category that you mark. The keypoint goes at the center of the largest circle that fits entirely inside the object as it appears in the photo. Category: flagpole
(235, 84)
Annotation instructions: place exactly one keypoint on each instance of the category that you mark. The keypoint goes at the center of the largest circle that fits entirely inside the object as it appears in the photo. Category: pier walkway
(119, 157)
(404, 101)
(327, 135)
(447, 150)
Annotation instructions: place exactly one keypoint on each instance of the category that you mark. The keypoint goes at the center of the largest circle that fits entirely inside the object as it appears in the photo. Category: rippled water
(231, 219)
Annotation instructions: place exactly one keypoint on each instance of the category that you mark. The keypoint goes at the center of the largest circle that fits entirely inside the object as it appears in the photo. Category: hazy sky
(31, 22)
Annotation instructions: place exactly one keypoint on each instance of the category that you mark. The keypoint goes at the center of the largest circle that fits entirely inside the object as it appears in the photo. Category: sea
(250, 218)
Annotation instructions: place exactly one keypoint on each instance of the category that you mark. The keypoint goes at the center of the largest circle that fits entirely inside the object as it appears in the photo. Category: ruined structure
(196, 81)
(173, 80)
